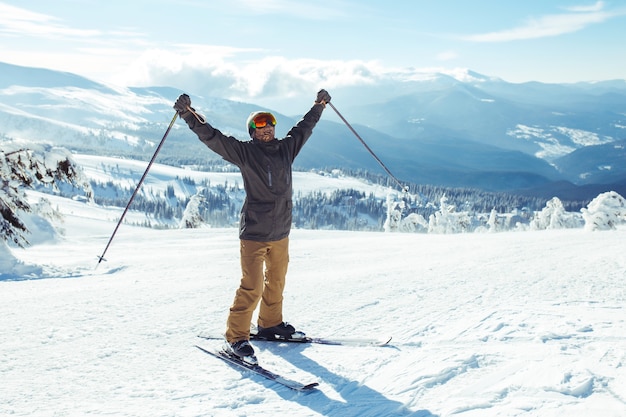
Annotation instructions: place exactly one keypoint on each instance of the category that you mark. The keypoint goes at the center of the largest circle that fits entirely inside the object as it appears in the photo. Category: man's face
(265, 133)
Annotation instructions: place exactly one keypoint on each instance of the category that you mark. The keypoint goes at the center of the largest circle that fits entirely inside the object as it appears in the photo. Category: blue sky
(249, 45)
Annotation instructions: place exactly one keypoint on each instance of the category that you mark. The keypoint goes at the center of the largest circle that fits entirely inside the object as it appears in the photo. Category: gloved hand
(183, 104)
(322, 97)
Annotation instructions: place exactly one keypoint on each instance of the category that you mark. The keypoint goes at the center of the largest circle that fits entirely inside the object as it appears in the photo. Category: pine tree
(22, 168)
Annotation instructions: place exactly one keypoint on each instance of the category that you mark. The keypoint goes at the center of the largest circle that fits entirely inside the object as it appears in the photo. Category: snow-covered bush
(413, 223)
(605, 212)
(394, 222)
(554, 216)
(447, 220)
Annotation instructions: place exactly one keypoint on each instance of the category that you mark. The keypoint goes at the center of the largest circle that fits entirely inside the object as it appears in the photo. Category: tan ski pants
(256, 286)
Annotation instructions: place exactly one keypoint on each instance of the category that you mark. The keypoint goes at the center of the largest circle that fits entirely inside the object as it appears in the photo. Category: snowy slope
(127, 173)
(498, 324)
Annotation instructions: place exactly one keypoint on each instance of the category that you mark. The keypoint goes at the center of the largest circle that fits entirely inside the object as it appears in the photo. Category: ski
(365, 342)
(259, 370)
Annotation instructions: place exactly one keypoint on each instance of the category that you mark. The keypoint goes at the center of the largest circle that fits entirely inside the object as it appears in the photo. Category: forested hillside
(218, 205)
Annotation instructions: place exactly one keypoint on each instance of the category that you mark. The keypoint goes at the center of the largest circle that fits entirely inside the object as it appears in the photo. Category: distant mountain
(543, 120)
(596, 164)
(467, 130)
(18, 76)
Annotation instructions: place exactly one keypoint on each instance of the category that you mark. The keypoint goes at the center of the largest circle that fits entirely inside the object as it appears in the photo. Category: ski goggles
(263, 120)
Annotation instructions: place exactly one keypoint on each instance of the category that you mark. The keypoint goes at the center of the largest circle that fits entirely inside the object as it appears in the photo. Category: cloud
(228, 72)
(21, 22)
(236, 74)
(598, 6)
(575, 19)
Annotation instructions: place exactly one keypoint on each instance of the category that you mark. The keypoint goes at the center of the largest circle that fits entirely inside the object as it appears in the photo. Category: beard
(264, 135)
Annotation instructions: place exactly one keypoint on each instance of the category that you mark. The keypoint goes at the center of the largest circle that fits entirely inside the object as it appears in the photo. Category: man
(265, 163)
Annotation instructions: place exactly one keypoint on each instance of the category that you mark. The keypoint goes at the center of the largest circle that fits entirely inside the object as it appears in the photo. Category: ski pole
(143, 177)
(404, 188)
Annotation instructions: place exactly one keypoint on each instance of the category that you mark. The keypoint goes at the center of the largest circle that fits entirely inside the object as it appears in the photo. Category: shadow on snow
(358, 399)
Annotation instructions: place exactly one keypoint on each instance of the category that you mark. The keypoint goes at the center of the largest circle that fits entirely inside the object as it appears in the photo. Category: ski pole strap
(198, 116)
(403, 187)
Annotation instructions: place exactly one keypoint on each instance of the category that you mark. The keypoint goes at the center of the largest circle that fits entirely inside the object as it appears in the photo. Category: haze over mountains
(468, 130)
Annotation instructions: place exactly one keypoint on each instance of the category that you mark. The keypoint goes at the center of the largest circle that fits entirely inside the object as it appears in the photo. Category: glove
(322, 97)
(183, 104)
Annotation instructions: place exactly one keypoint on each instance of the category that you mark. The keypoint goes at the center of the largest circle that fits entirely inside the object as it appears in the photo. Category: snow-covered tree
(22, 168)
(396, 223)
(494, 223)
(554, 216)
(192, 219)
(394, 213)
(448, 220)
(605, 212)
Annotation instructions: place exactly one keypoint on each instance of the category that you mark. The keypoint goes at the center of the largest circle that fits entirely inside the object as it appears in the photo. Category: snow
(582, 137)
(557, 141)
(484, 324)
(126, 173)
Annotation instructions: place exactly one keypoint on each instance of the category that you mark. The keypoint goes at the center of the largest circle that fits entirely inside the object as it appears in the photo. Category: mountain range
(475, 131)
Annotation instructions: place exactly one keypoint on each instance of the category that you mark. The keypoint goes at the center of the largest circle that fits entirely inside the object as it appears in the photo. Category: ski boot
(283, 331)
(241, 350)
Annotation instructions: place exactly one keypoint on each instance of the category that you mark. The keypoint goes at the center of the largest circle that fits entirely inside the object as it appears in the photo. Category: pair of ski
(260, 370)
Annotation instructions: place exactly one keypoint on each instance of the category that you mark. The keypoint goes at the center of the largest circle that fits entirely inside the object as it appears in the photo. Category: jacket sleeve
(227, 147)
(302, 131)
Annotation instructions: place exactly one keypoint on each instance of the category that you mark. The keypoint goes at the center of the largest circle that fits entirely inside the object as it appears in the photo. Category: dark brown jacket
(266, 170)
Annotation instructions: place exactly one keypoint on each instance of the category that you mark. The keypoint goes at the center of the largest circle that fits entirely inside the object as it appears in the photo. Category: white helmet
(251, 122)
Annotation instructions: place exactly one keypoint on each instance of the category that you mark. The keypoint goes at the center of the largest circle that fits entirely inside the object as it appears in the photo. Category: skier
(266, 167)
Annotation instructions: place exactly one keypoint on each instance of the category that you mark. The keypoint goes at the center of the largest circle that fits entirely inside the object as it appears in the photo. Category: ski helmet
(254, 118)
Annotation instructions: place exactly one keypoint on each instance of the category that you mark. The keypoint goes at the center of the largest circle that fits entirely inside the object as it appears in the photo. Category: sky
(250, 48)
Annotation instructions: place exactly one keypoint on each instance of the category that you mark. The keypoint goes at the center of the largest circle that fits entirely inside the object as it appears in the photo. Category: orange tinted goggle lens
(262, 121)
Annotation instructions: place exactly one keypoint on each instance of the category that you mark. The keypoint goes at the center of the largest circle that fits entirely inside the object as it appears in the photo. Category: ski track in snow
(501, 324)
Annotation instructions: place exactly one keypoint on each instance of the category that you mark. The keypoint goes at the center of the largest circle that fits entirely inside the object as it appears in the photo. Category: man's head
(261, 126)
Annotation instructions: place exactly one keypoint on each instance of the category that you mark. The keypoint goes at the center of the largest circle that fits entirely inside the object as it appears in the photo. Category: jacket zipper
(269, 174)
